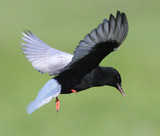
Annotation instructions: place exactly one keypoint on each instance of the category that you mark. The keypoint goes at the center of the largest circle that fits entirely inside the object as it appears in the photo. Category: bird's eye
(117, 77)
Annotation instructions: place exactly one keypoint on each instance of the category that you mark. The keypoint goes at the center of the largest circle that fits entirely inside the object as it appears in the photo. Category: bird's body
(104, 76)
(81, 70)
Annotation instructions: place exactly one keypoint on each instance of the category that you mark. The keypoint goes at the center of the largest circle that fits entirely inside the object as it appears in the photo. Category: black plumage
(87, 55)
(98, 77)
(80, 71)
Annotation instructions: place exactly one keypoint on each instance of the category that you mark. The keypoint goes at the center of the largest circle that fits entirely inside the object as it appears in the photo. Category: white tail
(51, 89)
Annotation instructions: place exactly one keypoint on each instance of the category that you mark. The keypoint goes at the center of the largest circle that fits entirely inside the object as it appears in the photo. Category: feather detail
(43, 57)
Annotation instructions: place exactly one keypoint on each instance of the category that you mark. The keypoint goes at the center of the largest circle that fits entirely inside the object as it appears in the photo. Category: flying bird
(80, 71)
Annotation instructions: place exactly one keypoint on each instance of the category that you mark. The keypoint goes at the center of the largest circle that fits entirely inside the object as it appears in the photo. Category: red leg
(57, 103)
(73, 91)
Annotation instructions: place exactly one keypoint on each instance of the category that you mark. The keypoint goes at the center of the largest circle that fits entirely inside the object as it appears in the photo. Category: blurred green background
(97, 111)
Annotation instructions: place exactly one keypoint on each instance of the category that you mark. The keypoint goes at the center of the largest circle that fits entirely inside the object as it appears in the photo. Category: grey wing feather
(43, 57)
(114, 30)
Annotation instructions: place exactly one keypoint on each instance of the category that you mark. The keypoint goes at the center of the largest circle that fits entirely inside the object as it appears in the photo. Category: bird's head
(112, 77)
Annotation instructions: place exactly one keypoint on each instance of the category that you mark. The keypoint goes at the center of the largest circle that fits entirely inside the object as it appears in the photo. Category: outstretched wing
(43, 57)
(99, 43)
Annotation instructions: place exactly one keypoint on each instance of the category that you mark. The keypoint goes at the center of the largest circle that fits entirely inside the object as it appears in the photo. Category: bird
(80, 71)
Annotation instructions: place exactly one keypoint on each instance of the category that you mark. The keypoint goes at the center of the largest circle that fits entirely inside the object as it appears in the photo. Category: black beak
(121, 90)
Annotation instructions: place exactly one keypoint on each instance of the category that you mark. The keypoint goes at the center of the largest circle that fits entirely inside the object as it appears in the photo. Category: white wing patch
(43, 57)
(51, 89)
(116, 48)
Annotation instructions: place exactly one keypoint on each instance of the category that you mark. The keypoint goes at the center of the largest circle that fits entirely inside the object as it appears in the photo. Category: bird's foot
(73, 91)
(57, 104)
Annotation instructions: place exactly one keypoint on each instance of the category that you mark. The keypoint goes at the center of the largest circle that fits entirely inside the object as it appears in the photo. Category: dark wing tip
(121, 15)
(28, 32)
(125, 25)
(124, 19)
(111, 17)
